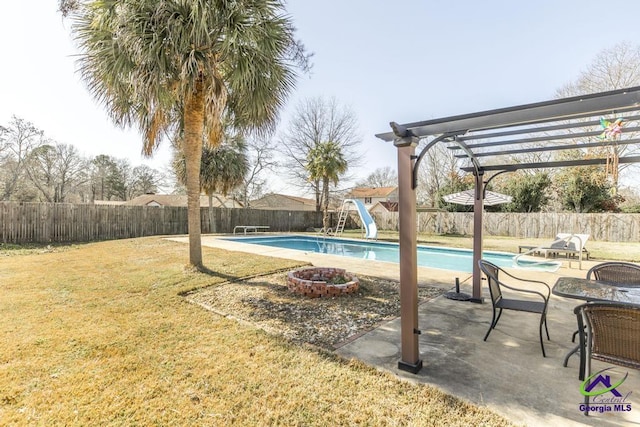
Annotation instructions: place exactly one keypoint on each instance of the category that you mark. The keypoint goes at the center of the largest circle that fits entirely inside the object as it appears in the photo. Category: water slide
(371, 231)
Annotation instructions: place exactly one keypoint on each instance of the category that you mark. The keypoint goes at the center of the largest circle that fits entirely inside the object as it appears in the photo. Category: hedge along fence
(610, 227)
(64, 222)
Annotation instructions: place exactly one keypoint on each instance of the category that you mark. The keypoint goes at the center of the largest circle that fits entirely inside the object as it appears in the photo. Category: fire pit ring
(315, 282)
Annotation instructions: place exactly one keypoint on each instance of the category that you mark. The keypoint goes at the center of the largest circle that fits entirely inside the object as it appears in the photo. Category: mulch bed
(325, 322)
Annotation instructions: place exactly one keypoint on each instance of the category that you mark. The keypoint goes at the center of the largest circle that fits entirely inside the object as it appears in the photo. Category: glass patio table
(593, 290)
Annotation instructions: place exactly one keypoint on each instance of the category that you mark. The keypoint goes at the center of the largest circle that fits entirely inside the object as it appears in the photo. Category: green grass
(99, 334)
(615, 251)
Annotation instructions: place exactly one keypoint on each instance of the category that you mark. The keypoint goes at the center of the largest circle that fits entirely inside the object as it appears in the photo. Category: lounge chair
(571, 245)
(568, 244)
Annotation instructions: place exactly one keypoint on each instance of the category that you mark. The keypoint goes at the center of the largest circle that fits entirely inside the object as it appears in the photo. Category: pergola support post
(520, 124)
(410, 354)
(478, 210)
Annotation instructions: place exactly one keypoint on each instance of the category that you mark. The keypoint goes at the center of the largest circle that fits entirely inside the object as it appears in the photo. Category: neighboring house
(382, 207)
(370, 196)
(218, 201)
(109, 202)
(283, 202)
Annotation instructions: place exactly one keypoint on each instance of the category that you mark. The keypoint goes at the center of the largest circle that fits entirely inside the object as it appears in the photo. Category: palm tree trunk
(325, 214)
(316, 184)
(192, 147)
(212, 227)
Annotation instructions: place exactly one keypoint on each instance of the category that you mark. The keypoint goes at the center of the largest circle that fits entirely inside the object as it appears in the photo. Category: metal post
(478, 208)
(410, 360)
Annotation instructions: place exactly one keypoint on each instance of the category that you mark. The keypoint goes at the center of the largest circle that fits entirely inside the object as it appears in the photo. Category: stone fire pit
(315, 282)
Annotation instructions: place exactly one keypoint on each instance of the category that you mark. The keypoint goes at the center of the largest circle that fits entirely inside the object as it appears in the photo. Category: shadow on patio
(507, 373)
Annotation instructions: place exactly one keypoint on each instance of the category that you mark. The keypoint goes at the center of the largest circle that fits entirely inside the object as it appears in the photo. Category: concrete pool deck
(507, 373)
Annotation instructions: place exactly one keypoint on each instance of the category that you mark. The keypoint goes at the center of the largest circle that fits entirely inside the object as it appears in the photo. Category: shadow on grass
(229, 278)
(12, 249)
(326, 322)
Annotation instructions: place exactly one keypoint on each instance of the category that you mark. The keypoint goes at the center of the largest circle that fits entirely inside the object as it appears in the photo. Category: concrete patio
(507, 373)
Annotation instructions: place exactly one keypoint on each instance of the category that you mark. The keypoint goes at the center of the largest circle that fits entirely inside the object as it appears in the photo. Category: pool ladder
(342, 220)
(553, 265)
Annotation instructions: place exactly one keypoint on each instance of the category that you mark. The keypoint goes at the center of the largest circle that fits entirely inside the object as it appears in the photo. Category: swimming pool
(428, 256)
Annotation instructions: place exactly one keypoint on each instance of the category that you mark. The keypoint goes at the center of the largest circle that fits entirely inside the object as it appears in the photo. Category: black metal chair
(623, 273)
(499, 303)
(612, 335)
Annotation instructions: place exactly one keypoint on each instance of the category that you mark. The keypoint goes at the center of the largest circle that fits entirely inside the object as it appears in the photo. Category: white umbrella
(467, 197)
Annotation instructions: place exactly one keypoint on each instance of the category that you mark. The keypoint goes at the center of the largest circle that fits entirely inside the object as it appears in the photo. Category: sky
(401, 60)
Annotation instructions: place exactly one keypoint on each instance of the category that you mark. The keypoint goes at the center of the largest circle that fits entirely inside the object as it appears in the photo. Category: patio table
(593, 290)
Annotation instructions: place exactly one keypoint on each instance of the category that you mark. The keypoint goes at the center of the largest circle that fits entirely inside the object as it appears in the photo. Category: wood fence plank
(63, 222)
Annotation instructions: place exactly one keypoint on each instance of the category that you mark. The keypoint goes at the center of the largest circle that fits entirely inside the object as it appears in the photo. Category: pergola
(488, 140)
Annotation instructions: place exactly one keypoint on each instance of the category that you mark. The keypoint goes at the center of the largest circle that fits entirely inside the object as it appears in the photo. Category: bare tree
(21, 138)
(34, 168)
(4, 145)
(111, 178)
(41, 171)
(381, 177)
(261, 160)
(145, 180)
(121, 179)
(614, 68)
(57, 171)
(314, 122)
(437, 168)
(102, 168)
(71, 171)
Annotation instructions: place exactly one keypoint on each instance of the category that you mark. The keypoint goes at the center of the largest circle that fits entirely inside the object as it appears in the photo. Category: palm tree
(181, 66)
(325, 163)
(222, 168)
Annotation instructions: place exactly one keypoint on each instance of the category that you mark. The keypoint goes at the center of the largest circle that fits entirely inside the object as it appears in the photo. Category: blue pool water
(428, 256)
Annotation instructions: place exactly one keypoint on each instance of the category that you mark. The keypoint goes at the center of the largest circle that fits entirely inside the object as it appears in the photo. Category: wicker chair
(615, 273)
(612, 335)
(624, 273)
(500, 303)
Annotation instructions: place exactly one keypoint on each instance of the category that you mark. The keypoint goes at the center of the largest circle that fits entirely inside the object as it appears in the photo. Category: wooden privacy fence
(64, 222)
(611, 227)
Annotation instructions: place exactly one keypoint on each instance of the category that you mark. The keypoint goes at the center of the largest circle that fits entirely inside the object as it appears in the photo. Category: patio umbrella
(467, 197)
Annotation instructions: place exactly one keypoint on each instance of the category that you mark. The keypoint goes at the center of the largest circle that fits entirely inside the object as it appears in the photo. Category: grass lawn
(100, 334)
(617, 251)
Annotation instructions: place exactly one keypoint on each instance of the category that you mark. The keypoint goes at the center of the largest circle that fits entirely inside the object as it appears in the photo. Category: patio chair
(623, 273)
(494, 275)
(571, 245)
(612, 335)
(615, 273)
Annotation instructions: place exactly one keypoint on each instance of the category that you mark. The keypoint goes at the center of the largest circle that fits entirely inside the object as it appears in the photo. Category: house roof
(362, 192)
(108, 202)
(303, 200)
(283, 201)
(180, 200)
(389, 206)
